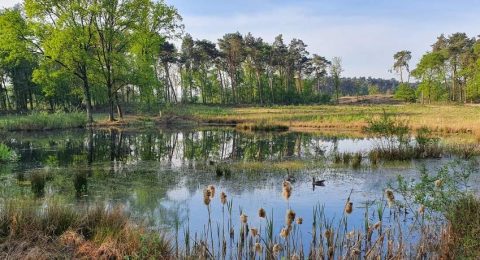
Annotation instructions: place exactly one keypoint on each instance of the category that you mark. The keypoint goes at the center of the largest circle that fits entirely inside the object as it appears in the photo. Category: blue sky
(364, 33)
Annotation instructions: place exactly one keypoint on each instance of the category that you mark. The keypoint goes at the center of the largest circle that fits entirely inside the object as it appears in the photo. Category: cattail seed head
(277, 248)
(377, 225)
(421, 210)
(438, 183)
(349, 207)
(295, 257)
(223, 198)
(290, 217)
(211, 188)
(389, 195)
(287, 185)
(328, 233)
(258, 248)
(206, 197)
(286, 194)
(284, 233)
(262, 213)
(299, 221)
(254, 232)
(244, 218)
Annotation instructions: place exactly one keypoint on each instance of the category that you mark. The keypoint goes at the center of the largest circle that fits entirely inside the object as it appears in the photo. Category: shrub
(6, 154)
(405, 92)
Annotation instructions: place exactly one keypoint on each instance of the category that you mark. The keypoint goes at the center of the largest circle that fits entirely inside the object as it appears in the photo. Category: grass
(456, 120)
(60, 232)
(262, 126)
(43, 121)
(6, 154)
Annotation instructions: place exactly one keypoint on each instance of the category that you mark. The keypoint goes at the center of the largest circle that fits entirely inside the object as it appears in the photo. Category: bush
(405, 92)
(6, 154)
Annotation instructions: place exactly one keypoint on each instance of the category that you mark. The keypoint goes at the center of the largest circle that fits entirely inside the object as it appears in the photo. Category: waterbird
(318, 182)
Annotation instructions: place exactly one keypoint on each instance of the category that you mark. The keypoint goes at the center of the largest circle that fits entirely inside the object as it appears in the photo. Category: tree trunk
(119, 108)
(88, 99)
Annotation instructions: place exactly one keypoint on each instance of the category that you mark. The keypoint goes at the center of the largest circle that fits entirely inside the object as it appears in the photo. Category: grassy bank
(42, 121)
(447, 119)
(60, 232)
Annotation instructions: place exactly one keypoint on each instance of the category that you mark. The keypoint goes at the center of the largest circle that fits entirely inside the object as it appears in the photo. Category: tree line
(102, 53)
(449, 72)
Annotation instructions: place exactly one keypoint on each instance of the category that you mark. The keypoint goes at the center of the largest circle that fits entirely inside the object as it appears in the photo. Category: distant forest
(104, 54)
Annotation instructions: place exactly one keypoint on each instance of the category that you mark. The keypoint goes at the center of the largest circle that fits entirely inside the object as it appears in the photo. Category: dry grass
(444, 119)
(28, 231)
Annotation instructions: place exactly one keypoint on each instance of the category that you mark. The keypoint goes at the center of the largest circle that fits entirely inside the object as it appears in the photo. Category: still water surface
(159, 175)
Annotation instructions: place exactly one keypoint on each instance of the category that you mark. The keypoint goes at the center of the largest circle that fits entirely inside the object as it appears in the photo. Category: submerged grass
(60, 232)
(43, 121)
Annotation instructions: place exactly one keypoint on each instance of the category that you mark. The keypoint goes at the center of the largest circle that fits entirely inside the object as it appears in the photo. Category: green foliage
(405, 92)
(442, 189)
(6, 154)
(373, 90)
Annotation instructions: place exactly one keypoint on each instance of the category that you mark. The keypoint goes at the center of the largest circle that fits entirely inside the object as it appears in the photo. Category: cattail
(223, 198)
(284, 233)
(287, 185)
(258, 248)
(377, 225)
(286, 194)
(295, 257)
(299, 221)
(262, 213)
(438, 183)
(349, 207)
(254, 232)
(244, 218)
(421, 209)
(389, 195)
(290, 217)
(211, 188)
(206, 196)
(351, 235)
(328, 234)
(286, 190)
(277, 248)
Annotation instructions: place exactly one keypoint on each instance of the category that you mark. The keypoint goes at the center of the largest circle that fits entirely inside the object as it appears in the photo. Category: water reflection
(174, 148)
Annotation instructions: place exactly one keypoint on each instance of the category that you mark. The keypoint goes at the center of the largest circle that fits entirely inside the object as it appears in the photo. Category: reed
(43, 121)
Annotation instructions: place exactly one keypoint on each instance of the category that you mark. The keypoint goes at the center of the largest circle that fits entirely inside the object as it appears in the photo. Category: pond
(159, 175)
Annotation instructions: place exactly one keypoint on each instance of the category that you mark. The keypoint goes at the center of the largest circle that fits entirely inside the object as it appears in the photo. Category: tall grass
(60, 232)
(43, 121)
